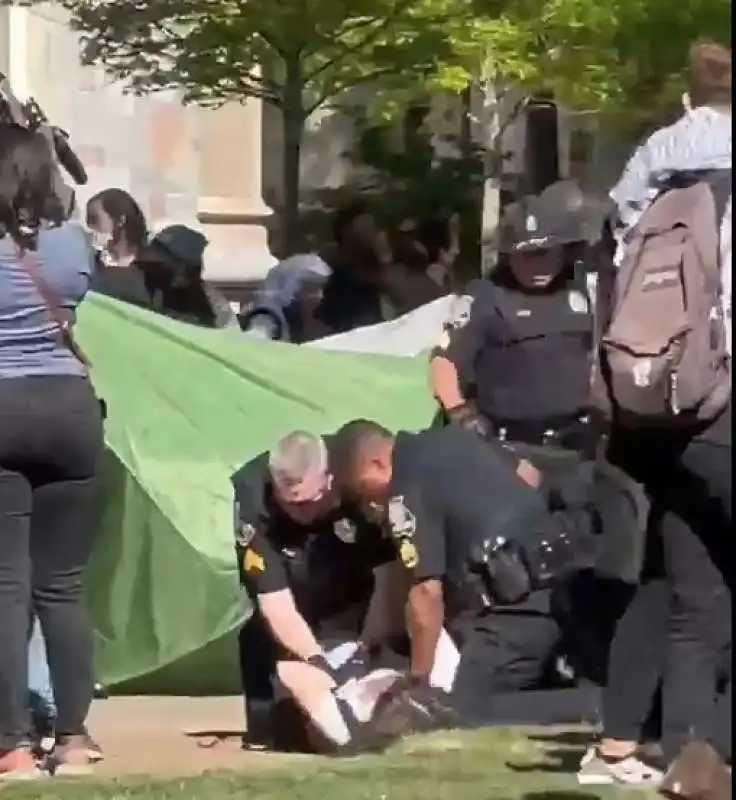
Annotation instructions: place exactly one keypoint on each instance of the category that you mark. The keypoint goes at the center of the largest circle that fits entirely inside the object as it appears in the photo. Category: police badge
(243, 531)
(345, 530)
(577, 301)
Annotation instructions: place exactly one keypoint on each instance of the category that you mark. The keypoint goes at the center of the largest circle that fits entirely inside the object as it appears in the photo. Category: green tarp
(186, 407)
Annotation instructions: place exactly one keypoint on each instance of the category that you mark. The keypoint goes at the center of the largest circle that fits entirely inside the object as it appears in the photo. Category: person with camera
(51, 446)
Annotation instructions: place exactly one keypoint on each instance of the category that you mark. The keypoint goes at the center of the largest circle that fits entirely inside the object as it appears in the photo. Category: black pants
(689, 482)
(51, 445)
(257, 657)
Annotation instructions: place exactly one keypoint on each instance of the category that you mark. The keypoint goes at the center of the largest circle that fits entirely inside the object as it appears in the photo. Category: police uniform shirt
(451, 491)
(328, 565)
(526, 353)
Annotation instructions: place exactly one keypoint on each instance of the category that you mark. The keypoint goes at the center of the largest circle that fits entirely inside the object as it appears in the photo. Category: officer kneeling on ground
(308, 562)
(470, 530)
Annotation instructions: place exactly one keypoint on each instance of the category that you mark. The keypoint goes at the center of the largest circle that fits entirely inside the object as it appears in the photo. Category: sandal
(74, 756)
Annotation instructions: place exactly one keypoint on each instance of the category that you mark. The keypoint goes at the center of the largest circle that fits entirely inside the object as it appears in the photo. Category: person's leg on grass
(636, 665)
(699, 552)
(632, 696)
(15, 609)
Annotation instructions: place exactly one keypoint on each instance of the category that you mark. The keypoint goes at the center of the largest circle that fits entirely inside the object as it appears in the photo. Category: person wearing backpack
(663, 380)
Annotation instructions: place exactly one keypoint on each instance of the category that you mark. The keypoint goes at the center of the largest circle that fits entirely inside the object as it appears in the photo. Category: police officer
(307, 562)
(523, 339)
(472, 535)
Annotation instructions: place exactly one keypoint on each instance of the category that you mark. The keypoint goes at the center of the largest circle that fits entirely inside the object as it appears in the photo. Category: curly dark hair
(29, 178)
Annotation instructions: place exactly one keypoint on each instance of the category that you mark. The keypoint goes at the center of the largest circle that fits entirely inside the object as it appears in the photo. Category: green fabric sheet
(186, 407)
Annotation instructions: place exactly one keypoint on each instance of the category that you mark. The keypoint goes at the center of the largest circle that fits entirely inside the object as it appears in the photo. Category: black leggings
(51, 443)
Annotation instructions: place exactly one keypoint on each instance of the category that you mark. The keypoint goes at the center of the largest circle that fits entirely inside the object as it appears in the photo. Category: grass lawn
(472, 766)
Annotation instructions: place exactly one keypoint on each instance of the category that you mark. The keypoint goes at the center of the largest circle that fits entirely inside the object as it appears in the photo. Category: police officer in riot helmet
(523, 340)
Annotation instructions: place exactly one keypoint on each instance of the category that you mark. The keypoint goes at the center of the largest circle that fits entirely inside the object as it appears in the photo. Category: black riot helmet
(549, 229)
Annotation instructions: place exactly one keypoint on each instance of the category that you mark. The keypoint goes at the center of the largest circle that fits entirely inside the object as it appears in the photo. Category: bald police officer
(307, 561)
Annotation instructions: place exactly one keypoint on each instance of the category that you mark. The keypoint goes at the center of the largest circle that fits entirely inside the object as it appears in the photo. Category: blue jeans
(40, 691)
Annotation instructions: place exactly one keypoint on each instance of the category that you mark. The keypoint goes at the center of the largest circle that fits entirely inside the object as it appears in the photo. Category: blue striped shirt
(699, 140)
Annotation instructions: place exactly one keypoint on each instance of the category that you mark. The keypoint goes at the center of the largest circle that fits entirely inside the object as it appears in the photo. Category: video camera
(29, 115)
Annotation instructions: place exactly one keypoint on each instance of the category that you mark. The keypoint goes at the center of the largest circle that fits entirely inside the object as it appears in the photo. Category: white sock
(329, 720)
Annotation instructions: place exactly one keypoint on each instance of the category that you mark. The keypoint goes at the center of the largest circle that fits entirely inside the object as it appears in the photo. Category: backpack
(662, 355)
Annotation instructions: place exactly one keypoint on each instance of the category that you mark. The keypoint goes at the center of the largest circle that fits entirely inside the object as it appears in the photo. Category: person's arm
(632, 192)
(260, 566)
(425, 616)
(419, 536)
(287, 625)
(264, 577)
(454, 356)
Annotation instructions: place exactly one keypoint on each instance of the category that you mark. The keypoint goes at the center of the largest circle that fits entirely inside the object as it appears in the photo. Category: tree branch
(371, 36)
(267, 96)
(272, 43)
(337, 88)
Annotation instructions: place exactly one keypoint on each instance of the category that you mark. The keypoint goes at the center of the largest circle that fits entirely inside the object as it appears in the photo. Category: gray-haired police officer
(307, 561)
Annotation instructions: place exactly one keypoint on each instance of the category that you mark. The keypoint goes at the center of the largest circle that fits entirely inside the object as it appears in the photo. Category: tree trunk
(294, 119)
(490, 120)
(495, 118)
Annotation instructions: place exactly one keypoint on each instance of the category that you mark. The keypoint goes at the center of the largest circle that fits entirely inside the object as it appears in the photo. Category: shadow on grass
(567, 795)
(562, 752)
(579, 739)
(556, 760)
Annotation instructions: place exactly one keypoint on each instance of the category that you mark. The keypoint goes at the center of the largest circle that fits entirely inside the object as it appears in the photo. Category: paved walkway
(171, 736)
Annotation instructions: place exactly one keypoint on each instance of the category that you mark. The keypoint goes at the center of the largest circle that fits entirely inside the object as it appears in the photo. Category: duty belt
(576, 434)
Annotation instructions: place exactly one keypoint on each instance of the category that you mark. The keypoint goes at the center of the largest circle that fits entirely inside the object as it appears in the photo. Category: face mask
(101, 241)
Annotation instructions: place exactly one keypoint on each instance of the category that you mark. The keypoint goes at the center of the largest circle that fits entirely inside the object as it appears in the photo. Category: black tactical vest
(535, 364)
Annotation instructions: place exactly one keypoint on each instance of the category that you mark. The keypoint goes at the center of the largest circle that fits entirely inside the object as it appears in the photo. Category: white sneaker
(631, 771)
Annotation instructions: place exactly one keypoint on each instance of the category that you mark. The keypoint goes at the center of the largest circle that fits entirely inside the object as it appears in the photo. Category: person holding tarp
(283, 307)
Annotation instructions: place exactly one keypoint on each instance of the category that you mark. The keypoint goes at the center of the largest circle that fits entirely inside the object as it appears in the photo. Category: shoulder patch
(401, 520)
(345, 530)
(244, 531)
(253, 562)
(460, 309)
(408, 554)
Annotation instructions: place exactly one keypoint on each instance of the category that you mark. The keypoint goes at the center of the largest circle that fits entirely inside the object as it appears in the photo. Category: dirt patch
(174, 736)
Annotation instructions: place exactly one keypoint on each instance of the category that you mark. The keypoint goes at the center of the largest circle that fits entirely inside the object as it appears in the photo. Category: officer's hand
(467, 416)
(434, 701)
(354, 667)
(323, 665)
